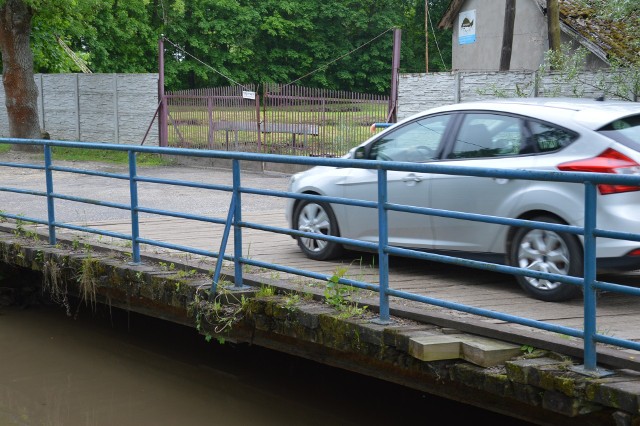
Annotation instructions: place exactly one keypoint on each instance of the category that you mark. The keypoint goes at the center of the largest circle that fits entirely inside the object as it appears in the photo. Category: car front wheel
(317, 218)
(547, 251)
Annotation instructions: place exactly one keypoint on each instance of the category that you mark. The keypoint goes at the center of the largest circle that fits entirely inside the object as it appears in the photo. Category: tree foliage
(337, 44)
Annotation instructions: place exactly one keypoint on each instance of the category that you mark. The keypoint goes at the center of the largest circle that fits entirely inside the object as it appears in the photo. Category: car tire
(310, 216)
(547, 251)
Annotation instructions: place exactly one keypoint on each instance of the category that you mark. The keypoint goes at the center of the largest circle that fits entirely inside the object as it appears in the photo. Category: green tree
(16, 20)
(121, 38)
(413, 38)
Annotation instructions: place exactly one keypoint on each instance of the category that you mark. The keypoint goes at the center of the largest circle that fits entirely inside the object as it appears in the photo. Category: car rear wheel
(547, 251)
(317, 218)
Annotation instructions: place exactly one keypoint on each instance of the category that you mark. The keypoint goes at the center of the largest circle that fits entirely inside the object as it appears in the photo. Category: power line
(337, 59)
(206, 65)
(435, 37)
(292, 82)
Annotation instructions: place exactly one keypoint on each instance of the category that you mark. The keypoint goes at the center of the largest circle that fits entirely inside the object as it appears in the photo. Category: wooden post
(426, 34)
(162, 112)
(395, 65)
(507, 34)
(553, 25)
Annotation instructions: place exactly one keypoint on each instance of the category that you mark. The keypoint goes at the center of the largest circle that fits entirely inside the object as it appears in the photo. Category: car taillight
(634, 253)
(610, 161)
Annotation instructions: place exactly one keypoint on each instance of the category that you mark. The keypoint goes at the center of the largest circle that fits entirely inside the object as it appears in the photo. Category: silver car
(535, 134)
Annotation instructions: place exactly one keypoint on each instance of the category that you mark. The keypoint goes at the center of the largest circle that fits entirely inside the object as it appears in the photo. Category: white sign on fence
(248, 95)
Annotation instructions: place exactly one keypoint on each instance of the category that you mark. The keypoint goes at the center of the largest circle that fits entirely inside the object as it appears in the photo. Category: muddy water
(114, 368)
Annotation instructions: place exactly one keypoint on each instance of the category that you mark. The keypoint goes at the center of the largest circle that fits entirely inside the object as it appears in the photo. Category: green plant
(275, 275)
(221, 313)
(19, 231)
(87, 280)
(247, 268)
(55, 285)
(186, 273)
(266, 291)
(167, 266)
(338, 296)
(527, 349)
(291, 300)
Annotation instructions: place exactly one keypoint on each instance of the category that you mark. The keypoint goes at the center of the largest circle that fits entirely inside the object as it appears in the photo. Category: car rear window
(625, 130)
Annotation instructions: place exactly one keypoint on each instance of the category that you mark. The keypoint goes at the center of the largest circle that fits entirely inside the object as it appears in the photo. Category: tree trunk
(17, 72)
(507, 35)
(553, 25)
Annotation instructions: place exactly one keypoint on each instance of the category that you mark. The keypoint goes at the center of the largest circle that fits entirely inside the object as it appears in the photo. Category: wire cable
(206, 65)
(435, 37)
(340, 57)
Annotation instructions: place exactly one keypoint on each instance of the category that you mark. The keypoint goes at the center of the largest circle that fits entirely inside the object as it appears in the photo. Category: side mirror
(359, 153)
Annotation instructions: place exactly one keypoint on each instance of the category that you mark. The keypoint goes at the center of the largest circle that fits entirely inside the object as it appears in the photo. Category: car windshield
(625, 130)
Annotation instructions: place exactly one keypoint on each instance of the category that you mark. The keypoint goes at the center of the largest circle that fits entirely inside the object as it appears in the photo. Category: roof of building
(606, 39)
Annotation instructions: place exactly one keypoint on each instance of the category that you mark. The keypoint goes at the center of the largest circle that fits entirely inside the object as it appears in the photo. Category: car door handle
(501, 181)
(412, 178)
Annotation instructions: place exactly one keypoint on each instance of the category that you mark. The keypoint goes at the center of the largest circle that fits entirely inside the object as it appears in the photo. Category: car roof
(590, 113)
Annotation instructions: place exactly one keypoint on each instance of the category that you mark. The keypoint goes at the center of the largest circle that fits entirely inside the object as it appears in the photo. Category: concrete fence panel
(114, 108)
(418, 92)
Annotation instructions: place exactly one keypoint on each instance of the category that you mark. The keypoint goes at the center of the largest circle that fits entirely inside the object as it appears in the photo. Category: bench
(251, 126)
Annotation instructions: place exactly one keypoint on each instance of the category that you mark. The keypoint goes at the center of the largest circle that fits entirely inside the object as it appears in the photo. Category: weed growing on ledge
(87, 280)
(338, 296)
(55, 285)
(221, 313)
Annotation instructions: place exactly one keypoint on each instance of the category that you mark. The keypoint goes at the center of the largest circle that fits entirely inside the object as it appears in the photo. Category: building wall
(113, 108)
(530, 38)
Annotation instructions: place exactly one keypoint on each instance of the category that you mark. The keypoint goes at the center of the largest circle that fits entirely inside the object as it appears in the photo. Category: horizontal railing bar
(91, 201)
(553, 176)
(92, 230)
(89, 172)
(487, 313)
(485, 218)
(178, 247)
(309, 274)
(23, 191)
(483, 265)
(180, 215)
(188, 184)
(22, 166)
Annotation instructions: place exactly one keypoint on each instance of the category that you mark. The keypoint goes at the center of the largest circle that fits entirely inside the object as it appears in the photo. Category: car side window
(415, 142)
(483, 135)
(549, 138)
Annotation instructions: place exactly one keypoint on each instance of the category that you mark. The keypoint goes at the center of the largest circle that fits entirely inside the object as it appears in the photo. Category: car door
(416, 141)
(487, 140)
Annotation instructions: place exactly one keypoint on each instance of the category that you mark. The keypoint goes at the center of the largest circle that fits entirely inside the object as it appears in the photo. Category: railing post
(135, 226)
(589, 277)
(590, 363)
(51, 217)
(237, 229)
(383, 240)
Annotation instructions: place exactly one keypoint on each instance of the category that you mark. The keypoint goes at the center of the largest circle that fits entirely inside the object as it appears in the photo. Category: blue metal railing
(234, 222)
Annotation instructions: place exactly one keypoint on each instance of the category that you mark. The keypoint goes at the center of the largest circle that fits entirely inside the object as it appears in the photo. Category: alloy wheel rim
(313, 218)
(544, 251)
